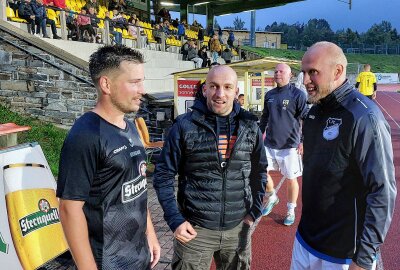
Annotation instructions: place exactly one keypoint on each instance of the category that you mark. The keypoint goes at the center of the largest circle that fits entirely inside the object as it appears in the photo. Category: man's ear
(204, 89)
(105, 85)
(339, 69)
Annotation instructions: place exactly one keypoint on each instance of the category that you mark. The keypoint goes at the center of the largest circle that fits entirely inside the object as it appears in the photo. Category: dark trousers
(31, 23)
(40, 24)
(231, 249)
(53, 27)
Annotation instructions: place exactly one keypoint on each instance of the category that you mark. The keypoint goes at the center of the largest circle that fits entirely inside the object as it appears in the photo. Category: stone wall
(35, 88)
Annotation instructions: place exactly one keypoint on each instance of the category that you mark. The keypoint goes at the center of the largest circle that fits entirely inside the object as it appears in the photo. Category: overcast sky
(363, 14)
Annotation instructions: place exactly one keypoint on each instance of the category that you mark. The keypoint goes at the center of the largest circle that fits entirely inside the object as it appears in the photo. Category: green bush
(47, 135)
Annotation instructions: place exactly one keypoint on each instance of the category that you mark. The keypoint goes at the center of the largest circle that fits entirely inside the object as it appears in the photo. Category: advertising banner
(387, 78)
(185, 97)
(30, 228)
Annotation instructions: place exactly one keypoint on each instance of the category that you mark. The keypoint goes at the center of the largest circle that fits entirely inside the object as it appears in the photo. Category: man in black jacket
(218, 154)
(349, 189)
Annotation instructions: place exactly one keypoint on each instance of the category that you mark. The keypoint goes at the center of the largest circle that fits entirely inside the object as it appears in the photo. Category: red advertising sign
(267, 82)
(187, 88)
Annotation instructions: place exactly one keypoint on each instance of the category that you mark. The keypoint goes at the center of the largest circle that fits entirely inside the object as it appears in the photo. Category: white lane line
(386, 94)
(397, 124)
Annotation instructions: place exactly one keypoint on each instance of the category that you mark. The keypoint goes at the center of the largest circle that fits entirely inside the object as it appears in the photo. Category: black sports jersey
(104, 166)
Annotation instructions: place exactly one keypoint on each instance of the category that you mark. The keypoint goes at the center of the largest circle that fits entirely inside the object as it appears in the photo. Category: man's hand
(300, 149)
(354, 266)
(155, 249)
(185, 232)
(154, 246)
(248, 220)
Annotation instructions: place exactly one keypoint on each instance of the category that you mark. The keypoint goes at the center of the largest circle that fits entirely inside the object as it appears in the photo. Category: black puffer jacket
(209, 194)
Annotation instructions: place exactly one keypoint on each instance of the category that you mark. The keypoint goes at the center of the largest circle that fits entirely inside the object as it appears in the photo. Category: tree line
(300, 35)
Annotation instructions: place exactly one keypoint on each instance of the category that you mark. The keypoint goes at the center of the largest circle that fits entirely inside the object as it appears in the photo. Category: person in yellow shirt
(366, 80)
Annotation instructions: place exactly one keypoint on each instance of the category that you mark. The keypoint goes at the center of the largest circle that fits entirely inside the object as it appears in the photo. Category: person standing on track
(349, 186)
(366, 80)
(284, 107)
(102, 185)
(217, 151)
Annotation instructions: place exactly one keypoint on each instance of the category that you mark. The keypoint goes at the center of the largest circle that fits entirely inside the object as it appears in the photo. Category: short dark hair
(241, 95)
(109, 58)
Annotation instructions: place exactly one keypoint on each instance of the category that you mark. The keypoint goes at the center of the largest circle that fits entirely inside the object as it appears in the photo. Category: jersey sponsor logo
(131, 143)
(133, 189)
(134, 153)
(270, 100)
(46, 216)
(331, 131)
(285, 103)
(143, 168)
(119, 149)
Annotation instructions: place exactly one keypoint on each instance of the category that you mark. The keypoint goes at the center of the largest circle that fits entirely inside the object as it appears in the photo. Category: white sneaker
(272, 201)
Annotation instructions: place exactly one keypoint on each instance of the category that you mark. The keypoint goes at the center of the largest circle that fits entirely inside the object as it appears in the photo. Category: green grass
(379, 62)
(47, 135)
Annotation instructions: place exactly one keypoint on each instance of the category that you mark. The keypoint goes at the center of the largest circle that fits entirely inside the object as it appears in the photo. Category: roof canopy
(250, 66)
(221, 7)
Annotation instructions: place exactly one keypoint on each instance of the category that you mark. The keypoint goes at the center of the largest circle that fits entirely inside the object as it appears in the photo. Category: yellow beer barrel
(33, 213)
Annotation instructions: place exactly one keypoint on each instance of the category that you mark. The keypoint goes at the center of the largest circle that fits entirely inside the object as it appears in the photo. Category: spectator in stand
(220, 35)
(132, 29)
(215, 48)
(231, 39)
(117, 4)
(118, 18)
(95, 24)
(210, 30)
(157, 32)
(175, 23)
(92, 3)
(204, 56)
(163, 15)
(56, 3)
(40, 17)
(117, 35)
(185, 50)
(193, 55)
(84, 23)
(25, 12)
(166, 28)
(14, 4)
(200, 35)
(227, 55)
(181, 29)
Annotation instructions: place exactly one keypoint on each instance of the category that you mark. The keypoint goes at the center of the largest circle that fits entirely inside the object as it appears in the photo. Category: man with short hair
(366, 81)
(101, 184)
(284, 108)
(217, 151)
(241, 100)
(349, 186)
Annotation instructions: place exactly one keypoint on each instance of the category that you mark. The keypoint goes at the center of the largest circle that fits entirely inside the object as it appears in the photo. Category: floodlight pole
(253, 29)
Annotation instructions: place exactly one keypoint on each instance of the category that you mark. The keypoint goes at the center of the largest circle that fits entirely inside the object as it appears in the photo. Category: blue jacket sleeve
(164, 178)
(374, 156)
(258, 176)
(264, 116)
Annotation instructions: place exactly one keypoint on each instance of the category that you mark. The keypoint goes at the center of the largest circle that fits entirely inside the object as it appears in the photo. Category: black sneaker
(56, 37)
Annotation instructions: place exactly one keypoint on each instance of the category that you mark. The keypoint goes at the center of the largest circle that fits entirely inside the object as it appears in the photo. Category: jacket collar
(333, 100)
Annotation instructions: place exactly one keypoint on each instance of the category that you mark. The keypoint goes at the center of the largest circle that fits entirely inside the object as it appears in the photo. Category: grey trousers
(231, 250)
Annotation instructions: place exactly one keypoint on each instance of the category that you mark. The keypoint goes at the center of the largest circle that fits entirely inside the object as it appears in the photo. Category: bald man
(284, 107)
(218, 154)
(349, 189)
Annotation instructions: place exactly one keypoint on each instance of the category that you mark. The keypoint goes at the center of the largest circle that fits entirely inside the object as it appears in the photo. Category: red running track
(272, 241)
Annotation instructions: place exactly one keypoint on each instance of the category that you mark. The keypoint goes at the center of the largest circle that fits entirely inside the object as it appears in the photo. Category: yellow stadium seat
(13, 17)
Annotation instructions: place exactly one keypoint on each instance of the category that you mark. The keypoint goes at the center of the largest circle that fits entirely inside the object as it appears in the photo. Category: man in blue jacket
(217, 152)
(349, 187)
(284, 108)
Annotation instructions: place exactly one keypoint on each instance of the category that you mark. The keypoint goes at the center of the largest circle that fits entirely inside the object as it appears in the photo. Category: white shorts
(287, 161)
(302, 259)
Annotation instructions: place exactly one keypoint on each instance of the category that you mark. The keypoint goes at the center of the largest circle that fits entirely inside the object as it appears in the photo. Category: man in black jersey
(101, 184)
(218, 153)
